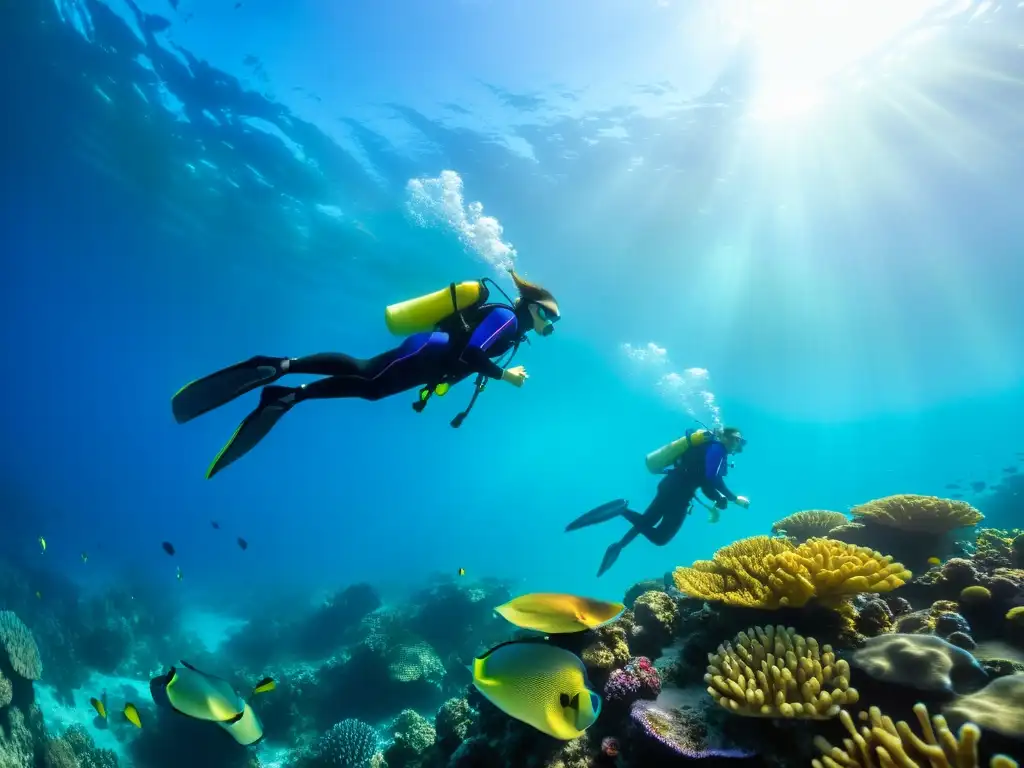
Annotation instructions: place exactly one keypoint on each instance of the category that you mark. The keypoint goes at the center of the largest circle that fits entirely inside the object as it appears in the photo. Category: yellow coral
(774, 672)
(975, 595)
(894, 745)
(609, 649)
(764, 572)
(921, 514)
(810, 522)
(1016, 615)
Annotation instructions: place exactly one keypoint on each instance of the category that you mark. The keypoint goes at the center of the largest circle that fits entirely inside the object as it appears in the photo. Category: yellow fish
(934, 561)
(558, 614)
(462, 571)
(132, 715)
(99, 706)
(539, 684)
(42, 543)
(265, 685)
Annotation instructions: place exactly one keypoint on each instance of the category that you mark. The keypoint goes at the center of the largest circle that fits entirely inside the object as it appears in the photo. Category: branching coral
(921, 514)
(809, 524)
(774, 672)
(21, 648)
(763, 572)
(880, 742)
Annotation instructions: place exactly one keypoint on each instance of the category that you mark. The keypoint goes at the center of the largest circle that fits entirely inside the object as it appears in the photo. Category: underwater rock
(642, 587)
(453, 723)
(874, 618)
(413, 737)
(656, 620)
(922, 662)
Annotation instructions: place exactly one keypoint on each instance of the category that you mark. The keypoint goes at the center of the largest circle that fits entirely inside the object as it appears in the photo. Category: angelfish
(207, 697)
(554, 613)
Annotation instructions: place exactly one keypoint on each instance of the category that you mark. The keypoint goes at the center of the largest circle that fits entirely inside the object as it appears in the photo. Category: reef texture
(762, 572)
(774, 672)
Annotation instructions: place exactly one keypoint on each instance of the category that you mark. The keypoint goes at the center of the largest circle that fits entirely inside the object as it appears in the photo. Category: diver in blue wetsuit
(697, 461)
(467, 335)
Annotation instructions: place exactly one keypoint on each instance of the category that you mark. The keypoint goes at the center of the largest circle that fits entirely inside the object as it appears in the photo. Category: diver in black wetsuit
(462, 344)
(702, 467)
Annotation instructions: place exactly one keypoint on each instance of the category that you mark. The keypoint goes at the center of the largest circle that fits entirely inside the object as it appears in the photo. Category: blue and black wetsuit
(423, 359)
(464, 344)
(702, 467)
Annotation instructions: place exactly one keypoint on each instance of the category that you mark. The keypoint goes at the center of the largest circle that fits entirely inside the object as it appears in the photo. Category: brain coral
(20, 646)
(880, 742)
(922, 662)
(809, 523)
(764, 572)
(920, 514)
(772, 672)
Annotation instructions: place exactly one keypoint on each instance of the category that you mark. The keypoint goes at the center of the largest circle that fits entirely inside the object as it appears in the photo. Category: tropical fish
(265, 685)
(462, 571)
(978, 486)
(934, 561)
(131, 714)
(539, 684)
(168, 547)
(207, 697)
(556, 613)
(85, 557)
(243, 543)
(99, 706)
(42, 543)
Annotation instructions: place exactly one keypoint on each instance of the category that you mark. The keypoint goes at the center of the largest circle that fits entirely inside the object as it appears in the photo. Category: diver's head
(536, 303)
(732, 439)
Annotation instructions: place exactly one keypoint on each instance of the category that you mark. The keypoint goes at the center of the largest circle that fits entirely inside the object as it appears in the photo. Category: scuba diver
(451, 334)
(696, 461)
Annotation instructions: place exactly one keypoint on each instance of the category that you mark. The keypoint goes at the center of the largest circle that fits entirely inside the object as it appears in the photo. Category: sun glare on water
(799, 44)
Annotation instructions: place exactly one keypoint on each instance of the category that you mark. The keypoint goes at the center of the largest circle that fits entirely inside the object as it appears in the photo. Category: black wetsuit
(449, 354)
(702, 467)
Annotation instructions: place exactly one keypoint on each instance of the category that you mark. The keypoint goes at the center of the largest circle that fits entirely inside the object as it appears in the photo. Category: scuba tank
(424, 312)
(668, 454)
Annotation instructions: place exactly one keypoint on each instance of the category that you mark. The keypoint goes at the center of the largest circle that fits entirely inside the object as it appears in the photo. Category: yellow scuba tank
(425, 312)
(667, 454)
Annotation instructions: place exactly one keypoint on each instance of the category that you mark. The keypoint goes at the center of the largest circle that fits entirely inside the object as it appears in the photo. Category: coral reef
(350, 743)
(676, 733)
(917, 514)
(20, 646)
(809, 524)
(655, 621)
(774, 672)
(413, 737)
(922, 662)
(882, 742)
(762, 572)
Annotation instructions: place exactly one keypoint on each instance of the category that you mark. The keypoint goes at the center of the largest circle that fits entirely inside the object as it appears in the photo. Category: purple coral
(637, 680)
(682, 732)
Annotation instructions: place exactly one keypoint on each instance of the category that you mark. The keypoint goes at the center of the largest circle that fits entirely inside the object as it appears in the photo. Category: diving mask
(549, 317)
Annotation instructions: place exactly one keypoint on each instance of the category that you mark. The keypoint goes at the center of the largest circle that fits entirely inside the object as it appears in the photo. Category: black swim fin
(601, 514)
(610, 556)
(205, 394)
(275, 402)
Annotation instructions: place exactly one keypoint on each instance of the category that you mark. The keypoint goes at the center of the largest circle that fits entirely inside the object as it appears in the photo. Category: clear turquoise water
(186, 187)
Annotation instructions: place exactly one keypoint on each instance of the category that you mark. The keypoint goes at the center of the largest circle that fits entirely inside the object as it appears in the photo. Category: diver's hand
(742, 501)
(515, 376)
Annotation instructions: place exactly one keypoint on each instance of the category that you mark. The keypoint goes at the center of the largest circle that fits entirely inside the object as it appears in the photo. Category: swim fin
(275, 401)
(610, 556)
(205, 394)
(601, 514)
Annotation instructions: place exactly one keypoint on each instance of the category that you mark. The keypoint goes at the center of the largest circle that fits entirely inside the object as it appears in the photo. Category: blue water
(185, 187)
